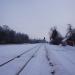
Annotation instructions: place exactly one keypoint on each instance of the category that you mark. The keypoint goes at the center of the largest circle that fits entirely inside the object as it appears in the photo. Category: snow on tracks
(18, 56)
(38, 65)
(12, 67)
(28, 61)
(50, 63)
(47, 60)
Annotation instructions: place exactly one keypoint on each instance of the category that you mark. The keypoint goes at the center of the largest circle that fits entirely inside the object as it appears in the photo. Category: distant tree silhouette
(69, 30)
(70, 36)
(55, 36)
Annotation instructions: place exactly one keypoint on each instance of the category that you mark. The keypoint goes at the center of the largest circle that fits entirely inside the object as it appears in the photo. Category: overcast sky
(36, 17)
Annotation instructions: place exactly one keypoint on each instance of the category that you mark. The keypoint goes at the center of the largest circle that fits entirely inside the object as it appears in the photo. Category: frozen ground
(37, 59)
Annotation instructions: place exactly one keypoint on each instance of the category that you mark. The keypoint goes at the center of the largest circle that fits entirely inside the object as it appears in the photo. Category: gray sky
(36, 17)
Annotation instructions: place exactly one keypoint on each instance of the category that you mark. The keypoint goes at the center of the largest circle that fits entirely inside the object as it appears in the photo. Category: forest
(9, 36)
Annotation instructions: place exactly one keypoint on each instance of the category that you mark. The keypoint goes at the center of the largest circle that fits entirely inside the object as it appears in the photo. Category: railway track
(46, 53)
(48, 59)
(18, 56)
(31, 57)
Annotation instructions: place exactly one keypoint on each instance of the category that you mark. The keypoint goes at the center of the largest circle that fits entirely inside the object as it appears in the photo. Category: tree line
(8, 35)
(56, 37)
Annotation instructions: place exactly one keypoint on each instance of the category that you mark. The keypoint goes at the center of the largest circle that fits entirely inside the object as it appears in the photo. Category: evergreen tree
(55, 36)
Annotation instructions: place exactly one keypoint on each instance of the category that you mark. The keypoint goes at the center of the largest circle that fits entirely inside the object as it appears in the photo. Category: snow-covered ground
(41, 59)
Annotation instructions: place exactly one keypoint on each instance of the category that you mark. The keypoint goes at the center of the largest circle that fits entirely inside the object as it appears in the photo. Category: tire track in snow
(18, 73)
(18, 56)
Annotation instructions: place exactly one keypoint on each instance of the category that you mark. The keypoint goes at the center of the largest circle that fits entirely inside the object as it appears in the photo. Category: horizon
(36, 17)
